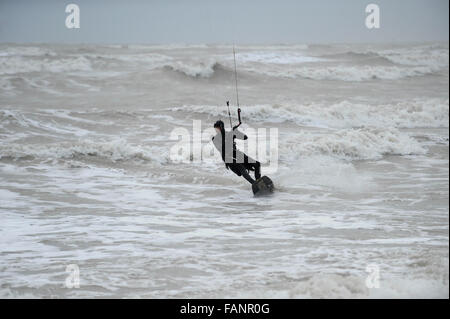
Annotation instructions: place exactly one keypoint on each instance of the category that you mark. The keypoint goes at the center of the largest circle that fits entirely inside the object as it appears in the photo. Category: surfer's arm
(238, 134)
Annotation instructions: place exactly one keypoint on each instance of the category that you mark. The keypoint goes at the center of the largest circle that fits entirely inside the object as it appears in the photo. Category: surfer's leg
(257, 170)
(246, 175)
(242, 169)
(253, 165)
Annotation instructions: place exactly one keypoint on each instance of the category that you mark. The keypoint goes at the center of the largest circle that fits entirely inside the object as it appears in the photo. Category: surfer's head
(219, 126)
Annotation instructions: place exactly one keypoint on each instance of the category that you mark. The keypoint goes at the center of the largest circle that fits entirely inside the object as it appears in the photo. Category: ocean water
(87, 176)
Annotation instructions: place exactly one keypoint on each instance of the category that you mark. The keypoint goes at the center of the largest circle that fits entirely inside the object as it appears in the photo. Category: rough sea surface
(87, 177)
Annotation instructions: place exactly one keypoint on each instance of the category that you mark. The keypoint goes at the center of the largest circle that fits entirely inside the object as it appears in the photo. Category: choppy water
(87, 177)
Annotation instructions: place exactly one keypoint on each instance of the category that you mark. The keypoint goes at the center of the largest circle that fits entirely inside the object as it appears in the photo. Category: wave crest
(354, 144)
(195, 70)
(113, 151)
(432, 113)
(19, 64)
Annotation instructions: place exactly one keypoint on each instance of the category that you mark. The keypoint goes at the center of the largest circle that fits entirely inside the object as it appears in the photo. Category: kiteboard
(263, 186)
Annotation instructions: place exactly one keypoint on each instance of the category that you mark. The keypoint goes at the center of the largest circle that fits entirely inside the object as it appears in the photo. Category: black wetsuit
(233, 158)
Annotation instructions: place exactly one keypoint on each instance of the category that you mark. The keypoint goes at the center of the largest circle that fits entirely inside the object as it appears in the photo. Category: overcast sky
(226, 21)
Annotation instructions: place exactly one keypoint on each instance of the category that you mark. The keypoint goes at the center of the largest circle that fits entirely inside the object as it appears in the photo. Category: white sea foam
(203, 69)
(351, 286)
(31, 121)
(321, 170)
(275, 57)
(192, 67)
(114, 151)
(86, 176)
(353, 144)
(20, 64)
(26, 51)
(434, 57)
(346, 72)
(413, 113)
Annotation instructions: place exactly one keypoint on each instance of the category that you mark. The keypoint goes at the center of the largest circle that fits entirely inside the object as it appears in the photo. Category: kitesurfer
(233, 158)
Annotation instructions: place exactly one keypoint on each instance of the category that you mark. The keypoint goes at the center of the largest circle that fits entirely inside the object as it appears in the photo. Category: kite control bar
(239, 116)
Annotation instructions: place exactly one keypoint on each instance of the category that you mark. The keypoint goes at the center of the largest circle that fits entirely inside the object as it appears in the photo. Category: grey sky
(227, 21)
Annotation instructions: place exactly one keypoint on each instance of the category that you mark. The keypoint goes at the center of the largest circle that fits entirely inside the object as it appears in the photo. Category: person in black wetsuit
(233, 158)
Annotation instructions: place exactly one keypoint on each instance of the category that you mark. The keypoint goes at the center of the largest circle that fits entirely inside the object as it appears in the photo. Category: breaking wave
(349, 73)
(436, 57)
(113, 151)
(354, 144)
(26, 51)
(195, 70)
(276, 57)
(432, 113)
(331, 63)
(20, 64)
